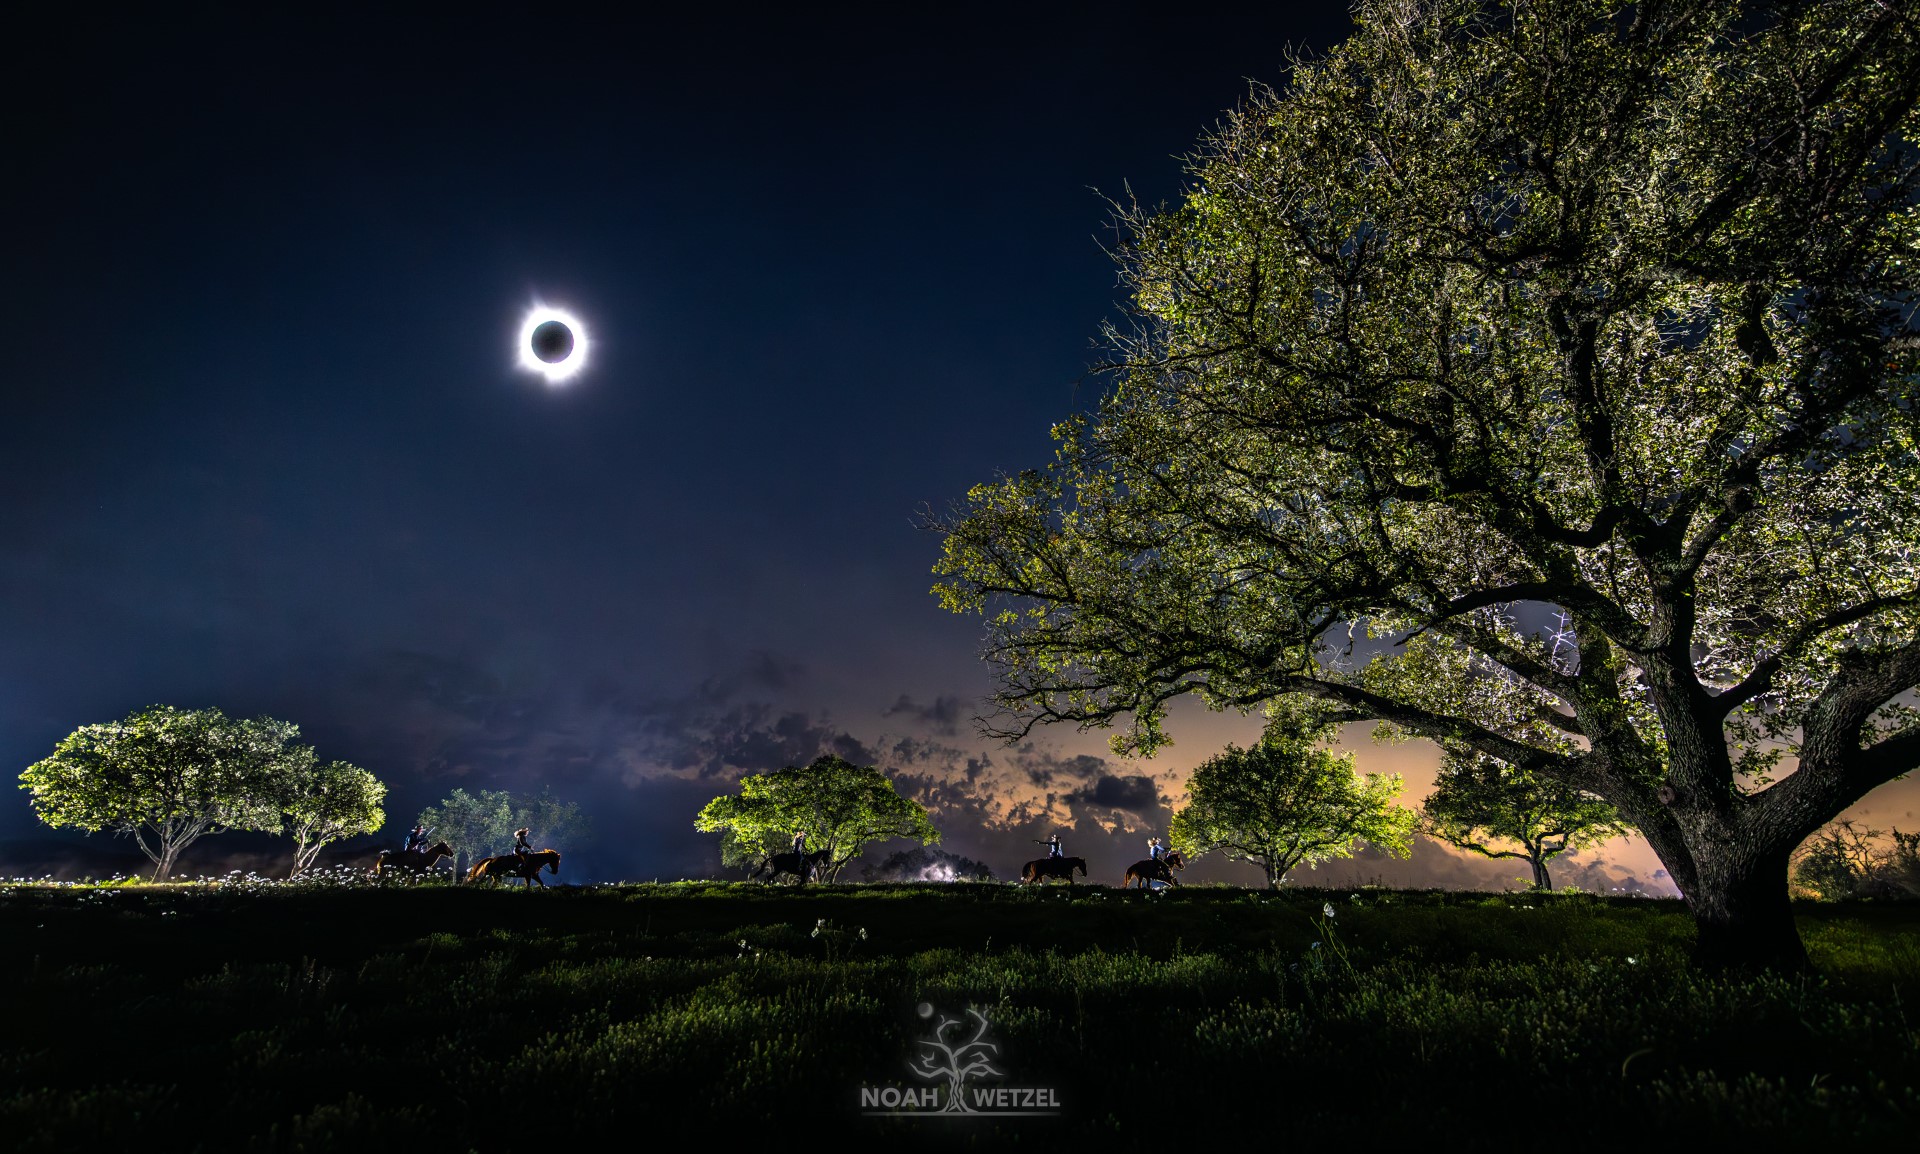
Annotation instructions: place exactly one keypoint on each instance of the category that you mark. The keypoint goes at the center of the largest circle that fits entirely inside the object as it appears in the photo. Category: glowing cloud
(573, 359)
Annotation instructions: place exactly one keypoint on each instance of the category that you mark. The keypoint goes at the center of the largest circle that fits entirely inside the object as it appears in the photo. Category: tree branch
(1760, 678)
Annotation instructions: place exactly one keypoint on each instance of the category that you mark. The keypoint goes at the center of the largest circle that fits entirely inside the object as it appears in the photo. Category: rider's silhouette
(521, 846)
(1053, 846)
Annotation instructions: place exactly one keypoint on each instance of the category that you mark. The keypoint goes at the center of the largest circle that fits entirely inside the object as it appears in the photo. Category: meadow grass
(249, 1017)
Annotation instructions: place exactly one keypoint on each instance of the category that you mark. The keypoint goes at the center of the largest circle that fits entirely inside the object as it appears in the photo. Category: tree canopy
(1503, 307)
(1286, 802)
(481, 824)
(167, 777)
(1488, 807)
(840, 806)
(325, 803)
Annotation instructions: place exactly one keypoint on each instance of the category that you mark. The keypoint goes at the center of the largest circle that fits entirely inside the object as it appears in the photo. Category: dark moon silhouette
(552, 342)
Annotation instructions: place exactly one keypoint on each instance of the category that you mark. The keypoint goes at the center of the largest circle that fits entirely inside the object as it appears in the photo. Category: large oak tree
(841, 807)
(168, 777)
(1499, 308)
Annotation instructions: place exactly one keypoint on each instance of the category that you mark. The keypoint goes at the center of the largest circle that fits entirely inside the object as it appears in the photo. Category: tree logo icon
(957, 1073)
(955, 1059)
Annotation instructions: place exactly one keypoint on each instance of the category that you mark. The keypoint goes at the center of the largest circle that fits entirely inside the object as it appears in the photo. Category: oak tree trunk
(1742, 915)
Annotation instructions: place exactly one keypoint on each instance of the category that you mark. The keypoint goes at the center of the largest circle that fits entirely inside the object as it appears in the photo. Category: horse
(509, 865)
(1040, 869)
(1148, 870)
(410, 860)
(790, 863)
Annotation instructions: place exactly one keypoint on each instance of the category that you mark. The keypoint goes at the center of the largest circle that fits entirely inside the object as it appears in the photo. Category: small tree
(842, 808)
(1286, 802)
(1480, 803)
(482, 823)
(329, 802)
(167, 777)
(1844, 861)
(552, 821)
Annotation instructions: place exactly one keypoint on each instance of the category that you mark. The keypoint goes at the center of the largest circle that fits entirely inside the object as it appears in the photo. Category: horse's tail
(479, 869)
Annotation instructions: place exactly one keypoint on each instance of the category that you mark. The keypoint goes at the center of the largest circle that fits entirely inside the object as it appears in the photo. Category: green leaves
(1286, 802)
(841, 807)
(1505, 315)
(1486, 807)
(328, 802)
(168, 776)
(482, 823)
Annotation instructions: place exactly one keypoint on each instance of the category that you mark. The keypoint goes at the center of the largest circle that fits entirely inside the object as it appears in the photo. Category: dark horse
(790, 863)
(1040, 869)
(509, 865)
(417, 861)
(1147, 870)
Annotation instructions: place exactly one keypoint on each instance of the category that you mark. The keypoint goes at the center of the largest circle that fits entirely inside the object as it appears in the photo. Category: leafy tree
(328, 802)
(1483, 805)
(553, 822)
(167, 777)
(842, 808)
(476, 825)
(1286, 802)
(481, 824)
(1502, 308)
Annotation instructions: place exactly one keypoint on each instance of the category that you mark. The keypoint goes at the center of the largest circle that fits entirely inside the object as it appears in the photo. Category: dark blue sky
(265, 447)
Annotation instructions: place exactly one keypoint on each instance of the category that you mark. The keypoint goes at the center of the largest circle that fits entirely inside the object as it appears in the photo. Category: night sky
(265, 446)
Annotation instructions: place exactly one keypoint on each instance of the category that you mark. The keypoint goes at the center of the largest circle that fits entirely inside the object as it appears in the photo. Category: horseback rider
(521, 846)
(800, 844)
(1155, 850)
(1053, 846)
(416, 838)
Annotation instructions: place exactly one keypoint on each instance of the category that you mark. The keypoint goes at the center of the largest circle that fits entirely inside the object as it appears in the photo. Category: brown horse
(417, 861)
(1147, 870)
(510, 865)
(1040, 869)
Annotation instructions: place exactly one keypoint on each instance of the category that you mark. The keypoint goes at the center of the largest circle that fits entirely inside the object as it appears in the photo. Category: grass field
(300, 1018)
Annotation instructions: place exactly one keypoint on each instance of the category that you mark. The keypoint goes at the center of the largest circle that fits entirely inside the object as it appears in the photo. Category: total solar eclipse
(552, 343)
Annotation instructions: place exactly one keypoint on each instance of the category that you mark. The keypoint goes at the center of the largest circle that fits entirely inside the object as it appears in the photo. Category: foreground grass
(452, 1019)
